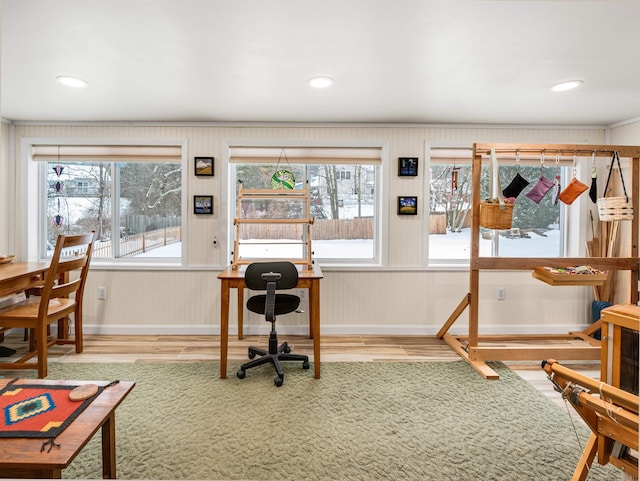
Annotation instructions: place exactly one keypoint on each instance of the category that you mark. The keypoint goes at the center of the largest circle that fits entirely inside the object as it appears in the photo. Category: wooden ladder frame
(286, 194)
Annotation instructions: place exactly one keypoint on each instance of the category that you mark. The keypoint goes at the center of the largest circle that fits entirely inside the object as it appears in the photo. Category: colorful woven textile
(37, 411)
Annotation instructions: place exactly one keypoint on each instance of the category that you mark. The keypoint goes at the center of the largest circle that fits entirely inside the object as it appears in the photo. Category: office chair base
(274, 356)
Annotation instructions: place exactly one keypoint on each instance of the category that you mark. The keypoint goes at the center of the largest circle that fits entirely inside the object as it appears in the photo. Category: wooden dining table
(24, 457)
(18, 277)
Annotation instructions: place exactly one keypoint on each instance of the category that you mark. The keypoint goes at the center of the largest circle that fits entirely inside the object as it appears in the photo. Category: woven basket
(615, 208)
(493, 217)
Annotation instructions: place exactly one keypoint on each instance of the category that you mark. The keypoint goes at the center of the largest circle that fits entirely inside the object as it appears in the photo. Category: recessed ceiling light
(72, 81)
(569, 85)
(321, 82)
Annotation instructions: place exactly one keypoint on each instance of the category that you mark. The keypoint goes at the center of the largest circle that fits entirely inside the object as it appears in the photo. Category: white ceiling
(394, 61)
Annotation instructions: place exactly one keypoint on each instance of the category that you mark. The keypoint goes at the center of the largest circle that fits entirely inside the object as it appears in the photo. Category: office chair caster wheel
(278, 381)
(286, 349)
(241, 373)
(251, 354)
(305, 365)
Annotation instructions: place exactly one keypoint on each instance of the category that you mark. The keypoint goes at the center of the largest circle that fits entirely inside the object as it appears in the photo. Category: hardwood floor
(350, 348)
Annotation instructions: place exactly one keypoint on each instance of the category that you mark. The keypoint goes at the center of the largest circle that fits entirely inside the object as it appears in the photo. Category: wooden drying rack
(468, 346)
(296, 195)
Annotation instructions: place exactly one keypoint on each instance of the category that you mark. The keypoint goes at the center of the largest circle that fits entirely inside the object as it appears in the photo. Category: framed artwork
(407, 166)
(204, 166)
(407, 205)
(203, 204)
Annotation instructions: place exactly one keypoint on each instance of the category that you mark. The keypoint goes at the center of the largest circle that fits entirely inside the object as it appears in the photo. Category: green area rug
(360, 421)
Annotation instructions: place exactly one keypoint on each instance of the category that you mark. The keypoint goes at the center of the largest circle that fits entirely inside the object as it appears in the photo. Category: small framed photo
(407, 205)
(204, 166)
(203, 204)
(407, 166)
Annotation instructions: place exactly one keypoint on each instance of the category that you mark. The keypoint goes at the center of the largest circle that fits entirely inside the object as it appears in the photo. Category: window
(536, 228)
(133, 205)
(343, 196)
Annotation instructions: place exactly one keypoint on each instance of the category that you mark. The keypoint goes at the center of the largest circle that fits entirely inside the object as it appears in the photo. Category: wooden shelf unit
(297, 195)
(469, 346)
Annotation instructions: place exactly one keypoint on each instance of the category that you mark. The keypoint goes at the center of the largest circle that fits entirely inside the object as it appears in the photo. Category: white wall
(6, 186)
(400, 297)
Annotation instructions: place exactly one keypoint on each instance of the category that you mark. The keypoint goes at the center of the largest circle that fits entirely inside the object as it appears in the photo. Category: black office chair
(269, 276)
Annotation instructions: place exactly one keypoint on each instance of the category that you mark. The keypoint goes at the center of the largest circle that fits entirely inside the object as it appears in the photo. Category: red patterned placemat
(38, 410)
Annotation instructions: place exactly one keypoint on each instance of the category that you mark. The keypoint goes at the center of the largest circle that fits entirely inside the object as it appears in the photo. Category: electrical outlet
(302, 294)
(102, 293)
(500, 294)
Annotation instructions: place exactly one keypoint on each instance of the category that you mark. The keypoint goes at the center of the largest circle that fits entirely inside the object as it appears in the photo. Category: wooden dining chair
(59, 297)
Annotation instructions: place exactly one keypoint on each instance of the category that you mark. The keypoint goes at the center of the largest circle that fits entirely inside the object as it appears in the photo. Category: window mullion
(115, 208)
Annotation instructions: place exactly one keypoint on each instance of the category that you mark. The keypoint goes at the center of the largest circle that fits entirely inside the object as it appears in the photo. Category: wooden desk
(21, 457)
(234, 279)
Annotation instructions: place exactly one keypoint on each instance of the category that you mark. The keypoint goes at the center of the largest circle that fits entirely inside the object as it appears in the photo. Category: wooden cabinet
(620, 347)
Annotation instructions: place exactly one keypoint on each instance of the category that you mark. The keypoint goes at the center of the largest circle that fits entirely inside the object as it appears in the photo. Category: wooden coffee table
(21, 457)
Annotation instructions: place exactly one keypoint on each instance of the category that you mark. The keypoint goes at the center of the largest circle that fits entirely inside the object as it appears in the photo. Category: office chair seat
(272, 276)
(285, 303)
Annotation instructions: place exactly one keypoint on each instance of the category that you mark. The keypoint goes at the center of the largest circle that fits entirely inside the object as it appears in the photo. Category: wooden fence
(133, 245)
(322, 229)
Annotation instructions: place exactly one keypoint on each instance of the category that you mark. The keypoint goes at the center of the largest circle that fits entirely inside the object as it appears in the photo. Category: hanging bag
(542, 185)
(283, 178)
(573, 189)
(517, 184)
(540, 189)
(495, 213)
(615, 208)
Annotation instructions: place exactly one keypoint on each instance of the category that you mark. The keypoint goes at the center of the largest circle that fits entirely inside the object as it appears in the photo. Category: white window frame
(572, 220)
(381, 237)
(34, 199)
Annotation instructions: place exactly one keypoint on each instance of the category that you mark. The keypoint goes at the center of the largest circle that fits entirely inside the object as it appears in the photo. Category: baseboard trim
(364, 330)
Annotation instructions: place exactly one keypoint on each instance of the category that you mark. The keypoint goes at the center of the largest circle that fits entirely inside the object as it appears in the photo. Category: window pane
(450, 215)
(535, 229)
(78, 200)
(342, 202)
(135, 208)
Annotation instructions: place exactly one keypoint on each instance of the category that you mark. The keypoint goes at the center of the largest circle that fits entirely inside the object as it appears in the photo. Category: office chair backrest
(287, 270)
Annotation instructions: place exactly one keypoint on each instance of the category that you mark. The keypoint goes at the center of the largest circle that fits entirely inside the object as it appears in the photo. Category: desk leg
(224, 326)
(240, 312)
(314, 315)
(109, 447)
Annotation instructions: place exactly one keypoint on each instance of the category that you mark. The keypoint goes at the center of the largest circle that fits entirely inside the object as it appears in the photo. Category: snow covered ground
(452, 246)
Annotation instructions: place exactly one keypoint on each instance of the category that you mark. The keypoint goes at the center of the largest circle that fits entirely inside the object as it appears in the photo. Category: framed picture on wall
(407, 166)
(407, 205)
(203, 204)
(204, 166)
